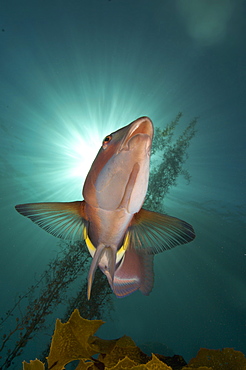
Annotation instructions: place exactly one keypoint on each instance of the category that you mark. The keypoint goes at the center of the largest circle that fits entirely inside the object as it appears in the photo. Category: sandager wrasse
(120, 235)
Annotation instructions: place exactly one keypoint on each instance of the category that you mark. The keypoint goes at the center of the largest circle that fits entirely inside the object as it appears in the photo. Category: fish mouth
(142, 127)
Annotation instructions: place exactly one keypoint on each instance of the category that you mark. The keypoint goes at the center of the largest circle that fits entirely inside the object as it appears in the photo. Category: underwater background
(73, 72)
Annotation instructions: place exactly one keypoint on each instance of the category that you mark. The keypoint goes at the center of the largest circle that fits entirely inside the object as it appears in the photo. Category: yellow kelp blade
(70, 341)
(34, 365)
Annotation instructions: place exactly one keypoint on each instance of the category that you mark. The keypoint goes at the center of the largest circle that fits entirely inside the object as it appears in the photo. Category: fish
(121, 236)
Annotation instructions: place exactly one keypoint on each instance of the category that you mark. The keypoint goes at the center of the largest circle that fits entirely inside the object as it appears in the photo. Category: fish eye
(106, 140)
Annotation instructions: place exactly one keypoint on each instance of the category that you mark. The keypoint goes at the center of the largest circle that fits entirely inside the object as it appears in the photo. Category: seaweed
(218, 359)
(50, 291)
(76, 340)
(171, 154)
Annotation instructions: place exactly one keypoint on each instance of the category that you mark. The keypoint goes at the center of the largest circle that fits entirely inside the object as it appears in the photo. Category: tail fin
(134, 272)
(107, 255)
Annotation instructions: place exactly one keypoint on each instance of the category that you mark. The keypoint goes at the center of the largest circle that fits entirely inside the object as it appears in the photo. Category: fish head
(119, 174)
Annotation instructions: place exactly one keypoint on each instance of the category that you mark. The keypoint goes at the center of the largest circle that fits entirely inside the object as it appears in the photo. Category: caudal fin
(134, 272)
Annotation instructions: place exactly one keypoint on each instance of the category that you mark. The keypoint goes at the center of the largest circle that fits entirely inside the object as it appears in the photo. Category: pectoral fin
(155, 232)
(63, 220)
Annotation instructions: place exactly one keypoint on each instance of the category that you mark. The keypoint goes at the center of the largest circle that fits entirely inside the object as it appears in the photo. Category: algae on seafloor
(75, 340)
(216, 359)
(34, 365)
(71, 341)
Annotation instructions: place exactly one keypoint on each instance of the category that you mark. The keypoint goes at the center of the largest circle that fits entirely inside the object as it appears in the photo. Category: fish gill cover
(35, 309)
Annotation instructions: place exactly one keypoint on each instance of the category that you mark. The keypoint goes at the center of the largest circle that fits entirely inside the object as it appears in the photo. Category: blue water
(73, 71)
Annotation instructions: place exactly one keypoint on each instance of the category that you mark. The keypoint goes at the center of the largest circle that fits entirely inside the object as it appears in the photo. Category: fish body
(120, 235)
(115, 189)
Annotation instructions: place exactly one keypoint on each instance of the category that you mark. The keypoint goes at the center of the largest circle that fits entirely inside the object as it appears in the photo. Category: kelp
(169, 156)
(76, 340)
(50, 291)
(218, 359)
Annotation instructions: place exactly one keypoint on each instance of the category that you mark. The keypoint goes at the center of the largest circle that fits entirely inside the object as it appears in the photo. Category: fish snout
(141, 143)
(140, 130)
